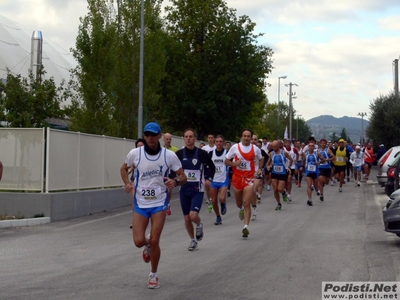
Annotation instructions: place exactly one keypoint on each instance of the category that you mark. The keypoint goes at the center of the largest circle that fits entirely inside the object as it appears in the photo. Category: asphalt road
(287, 255)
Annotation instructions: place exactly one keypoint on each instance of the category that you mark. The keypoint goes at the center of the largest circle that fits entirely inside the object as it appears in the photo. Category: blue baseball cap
(152, 127)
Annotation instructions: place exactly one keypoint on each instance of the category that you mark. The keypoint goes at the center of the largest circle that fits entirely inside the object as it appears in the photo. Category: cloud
(300, 11)
(390, 23)
(338, 77)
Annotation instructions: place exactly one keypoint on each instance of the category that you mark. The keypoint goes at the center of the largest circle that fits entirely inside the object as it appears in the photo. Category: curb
(24, 222)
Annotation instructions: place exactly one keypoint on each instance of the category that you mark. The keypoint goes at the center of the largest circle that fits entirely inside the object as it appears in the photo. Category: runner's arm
(124, 171)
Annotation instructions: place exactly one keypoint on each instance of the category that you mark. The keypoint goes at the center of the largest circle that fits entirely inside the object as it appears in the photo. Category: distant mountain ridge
(324, 126)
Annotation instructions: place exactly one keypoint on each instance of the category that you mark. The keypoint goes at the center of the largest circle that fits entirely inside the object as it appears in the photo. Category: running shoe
(255, 211)
(268, 187)
(358, 183)
(321, 198)
(199, 232)
(241, 214)
(229, 193)
(192, 246)
(340, 189)
(285, 197)
(348, 179)
(297, 182)
(331, 182)
(289, 198)
(146, 253)
(153, 282)
(312, 188)
(223, 208)
(218, 221)
(259, 198)
(279, 207)
(318, 193)
(210, 207)
(245, 232)
(130, 226)
(309, 203)
(169, 212)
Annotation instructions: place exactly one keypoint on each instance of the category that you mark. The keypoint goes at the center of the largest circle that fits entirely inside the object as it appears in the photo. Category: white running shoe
(255, 211)
(153, 282)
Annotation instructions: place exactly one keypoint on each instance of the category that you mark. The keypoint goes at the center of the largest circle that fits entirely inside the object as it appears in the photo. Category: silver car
(384, 162)
(391, 214)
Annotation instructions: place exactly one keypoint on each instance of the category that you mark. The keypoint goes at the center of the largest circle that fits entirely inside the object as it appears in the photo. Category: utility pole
(362, 114)
(396, 77)
(279, 100)
(290, 107)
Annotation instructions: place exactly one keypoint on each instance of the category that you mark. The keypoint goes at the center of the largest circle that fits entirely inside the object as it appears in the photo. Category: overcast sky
(339, 52)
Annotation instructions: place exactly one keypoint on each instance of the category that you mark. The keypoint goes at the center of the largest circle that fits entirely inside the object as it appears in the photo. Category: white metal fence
(64, 161)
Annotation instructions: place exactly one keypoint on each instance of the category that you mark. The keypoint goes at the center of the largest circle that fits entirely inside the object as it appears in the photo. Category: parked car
(393, 172)
(384, 162)
(391, 214)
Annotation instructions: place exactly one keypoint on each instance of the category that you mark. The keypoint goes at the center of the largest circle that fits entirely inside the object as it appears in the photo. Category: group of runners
(247, 166)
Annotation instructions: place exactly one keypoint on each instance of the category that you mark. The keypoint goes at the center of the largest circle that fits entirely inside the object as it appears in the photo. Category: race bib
(357, 161)
(149, 193)
(340, 159)
(218, 169)
(192, 175)
(244, 165)
(278, 169)
(312, 168)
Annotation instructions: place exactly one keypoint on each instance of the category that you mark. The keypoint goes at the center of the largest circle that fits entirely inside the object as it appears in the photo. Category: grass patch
(11, 217)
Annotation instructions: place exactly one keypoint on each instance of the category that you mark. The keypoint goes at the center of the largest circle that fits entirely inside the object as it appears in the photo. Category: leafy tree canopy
(384, 122)
(27, 102)
(215, 70)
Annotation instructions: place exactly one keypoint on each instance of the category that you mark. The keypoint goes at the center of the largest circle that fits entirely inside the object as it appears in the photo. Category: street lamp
(297, 135)
(279, 92)
(362, 114)
(141, 71)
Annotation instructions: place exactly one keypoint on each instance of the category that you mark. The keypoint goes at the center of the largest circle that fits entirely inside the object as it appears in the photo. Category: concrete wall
(62, 206)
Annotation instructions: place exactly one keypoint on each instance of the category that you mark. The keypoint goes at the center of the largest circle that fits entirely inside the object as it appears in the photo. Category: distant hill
(324, 126)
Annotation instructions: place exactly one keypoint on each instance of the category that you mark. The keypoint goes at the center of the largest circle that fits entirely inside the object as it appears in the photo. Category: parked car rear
(384, 162)
(391, 214)
(392, 182)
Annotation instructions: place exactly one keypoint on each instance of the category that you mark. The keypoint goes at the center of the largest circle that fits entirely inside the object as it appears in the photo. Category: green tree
(304, 130)
(384, 122)
(333, 137)
(27, 102)
(345, 136)
(216, 71)
(107, 77)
